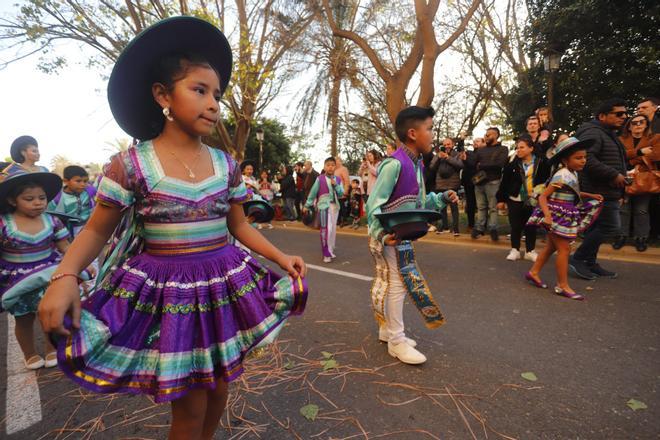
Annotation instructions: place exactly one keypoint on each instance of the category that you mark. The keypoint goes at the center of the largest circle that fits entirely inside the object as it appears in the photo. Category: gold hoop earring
(166, 112)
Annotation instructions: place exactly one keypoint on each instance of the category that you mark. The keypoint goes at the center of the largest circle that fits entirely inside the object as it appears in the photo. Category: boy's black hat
(50, 182)
(21, 142)
(129, 87)
(408, 224)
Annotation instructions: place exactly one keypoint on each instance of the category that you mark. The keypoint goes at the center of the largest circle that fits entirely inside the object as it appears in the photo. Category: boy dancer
(400, 186)
(326, 191)
(76, 199)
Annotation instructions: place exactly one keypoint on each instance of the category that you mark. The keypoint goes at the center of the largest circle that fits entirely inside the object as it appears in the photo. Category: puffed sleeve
(561, 178)
(60, 231)
(237, 190)
(115, 189)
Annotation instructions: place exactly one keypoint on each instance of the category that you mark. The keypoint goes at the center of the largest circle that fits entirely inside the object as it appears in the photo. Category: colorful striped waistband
(183, 248)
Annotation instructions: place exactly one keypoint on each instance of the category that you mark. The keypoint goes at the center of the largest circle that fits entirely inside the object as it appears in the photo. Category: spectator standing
(369, 168)
(447, 165)
(603, 174)
(643, 152)
(300, 181)
(288, 191)
(342, 172)
(519, 178)
(540, 138)
(309, 175)
(650, 107)
(469, 170)
(489, 163)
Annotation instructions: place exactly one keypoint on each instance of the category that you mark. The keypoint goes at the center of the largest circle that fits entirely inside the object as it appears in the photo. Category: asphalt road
(590, 358)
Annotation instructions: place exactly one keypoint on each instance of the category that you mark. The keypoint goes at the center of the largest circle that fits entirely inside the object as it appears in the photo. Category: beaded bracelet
(62, 275)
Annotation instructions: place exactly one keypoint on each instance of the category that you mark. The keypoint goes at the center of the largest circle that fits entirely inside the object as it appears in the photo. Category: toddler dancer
(563, 213)
(31, 244)
(177, 308)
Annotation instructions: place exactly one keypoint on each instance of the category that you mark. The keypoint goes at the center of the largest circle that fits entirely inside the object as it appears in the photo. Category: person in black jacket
(469, 170)
(288, 190)
(490, 160)
(519, 177)
(603, 174)
(541, 138)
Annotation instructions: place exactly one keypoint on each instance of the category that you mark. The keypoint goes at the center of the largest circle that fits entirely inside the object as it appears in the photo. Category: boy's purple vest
(323, 185)
(406, 189)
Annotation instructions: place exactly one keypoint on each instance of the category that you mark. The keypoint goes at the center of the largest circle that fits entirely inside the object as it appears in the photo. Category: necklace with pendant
(191, 174)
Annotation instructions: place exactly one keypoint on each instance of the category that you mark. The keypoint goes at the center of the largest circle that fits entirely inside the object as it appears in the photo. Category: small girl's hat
(260, 210)
(129, 87)
(566, 146)
(50, 182)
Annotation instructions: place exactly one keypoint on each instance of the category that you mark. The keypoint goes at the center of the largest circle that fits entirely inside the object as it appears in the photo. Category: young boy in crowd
(400, 186)
(76, 198)
(326, 192)
(355, 203)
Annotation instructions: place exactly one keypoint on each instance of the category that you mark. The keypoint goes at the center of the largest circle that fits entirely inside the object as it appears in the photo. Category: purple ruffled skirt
(162, 325)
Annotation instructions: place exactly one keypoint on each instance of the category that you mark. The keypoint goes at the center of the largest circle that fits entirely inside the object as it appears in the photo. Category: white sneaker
(432, 228)
(327, 259)
(514, 254)
(383, 337)
(405, 353)
(332, 255)
(531, 256)
(270, 226)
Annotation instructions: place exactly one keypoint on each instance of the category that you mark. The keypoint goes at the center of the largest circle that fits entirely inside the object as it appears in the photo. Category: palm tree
(335, 61)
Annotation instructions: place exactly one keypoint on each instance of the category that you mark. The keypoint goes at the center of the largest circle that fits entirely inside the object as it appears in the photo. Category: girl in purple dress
(176, 308)
(563, 212)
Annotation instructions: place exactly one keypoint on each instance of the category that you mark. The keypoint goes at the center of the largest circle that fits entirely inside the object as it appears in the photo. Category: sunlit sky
(68, 112)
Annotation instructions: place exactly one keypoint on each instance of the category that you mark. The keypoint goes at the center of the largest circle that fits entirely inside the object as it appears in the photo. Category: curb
(627, 254)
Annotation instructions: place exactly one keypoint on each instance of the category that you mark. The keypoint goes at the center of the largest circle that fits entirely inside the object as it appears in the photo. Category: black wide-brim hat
(50, 182)
(129, 88)
(260, 210)
(408, 224)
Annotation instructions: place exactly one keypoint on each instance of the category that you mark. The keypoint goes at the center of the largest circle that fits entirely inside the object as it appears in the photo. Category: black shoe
(603, 273)
(476, 233)
(619, 242)
(580, 269)
(494, 235)
(641, 244)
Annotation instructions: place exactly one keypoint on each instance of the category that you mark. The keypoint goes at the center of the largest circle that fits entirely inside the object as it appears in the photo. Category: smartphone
(628, 180)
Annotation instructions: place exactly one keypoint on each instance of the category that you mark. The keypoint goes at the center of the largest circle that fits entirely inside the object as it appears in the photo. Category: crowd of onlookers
(492, 180)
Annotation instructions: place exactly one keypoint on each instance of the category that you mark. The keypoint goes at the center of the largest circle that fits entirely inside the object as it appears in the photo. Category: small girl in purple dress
(176, 307)
(564, 213)
(31, 244)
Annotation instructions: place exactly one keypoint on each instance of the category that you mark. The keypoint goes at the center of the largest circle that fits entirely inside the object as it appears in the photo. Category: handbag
(479, 178)
(645, 181)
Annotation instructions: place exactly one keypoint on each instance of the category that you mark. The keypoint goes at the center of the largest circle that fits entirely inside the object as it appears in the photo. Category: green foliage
(277, 145)
(608, 51)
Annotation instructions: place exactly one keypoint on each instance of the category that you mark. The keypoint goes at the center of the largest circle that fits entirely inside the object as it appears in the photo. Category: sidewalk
(627, 253)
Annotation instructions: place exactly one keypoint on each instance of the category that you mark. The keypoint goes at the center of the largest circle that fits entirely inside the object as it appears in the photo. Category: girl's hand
(391, 240)
(63, 296)
(598, 197)
(547, 220)
(294, 265)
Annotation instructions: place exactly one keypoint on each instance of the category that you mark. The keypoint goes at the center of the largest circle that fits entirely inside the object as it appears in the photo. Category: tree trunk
(333, 114)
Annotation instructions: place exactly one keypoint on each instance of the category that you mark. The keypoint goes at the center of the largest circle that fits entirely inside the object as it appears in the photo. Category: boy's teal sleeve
(388, 174)
(312, 194)
(435, 201)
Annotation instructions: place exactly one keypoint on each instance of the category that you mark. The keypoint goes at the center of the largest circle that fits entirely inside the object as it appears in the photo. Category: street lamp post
(551, 65)
(260, 138)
